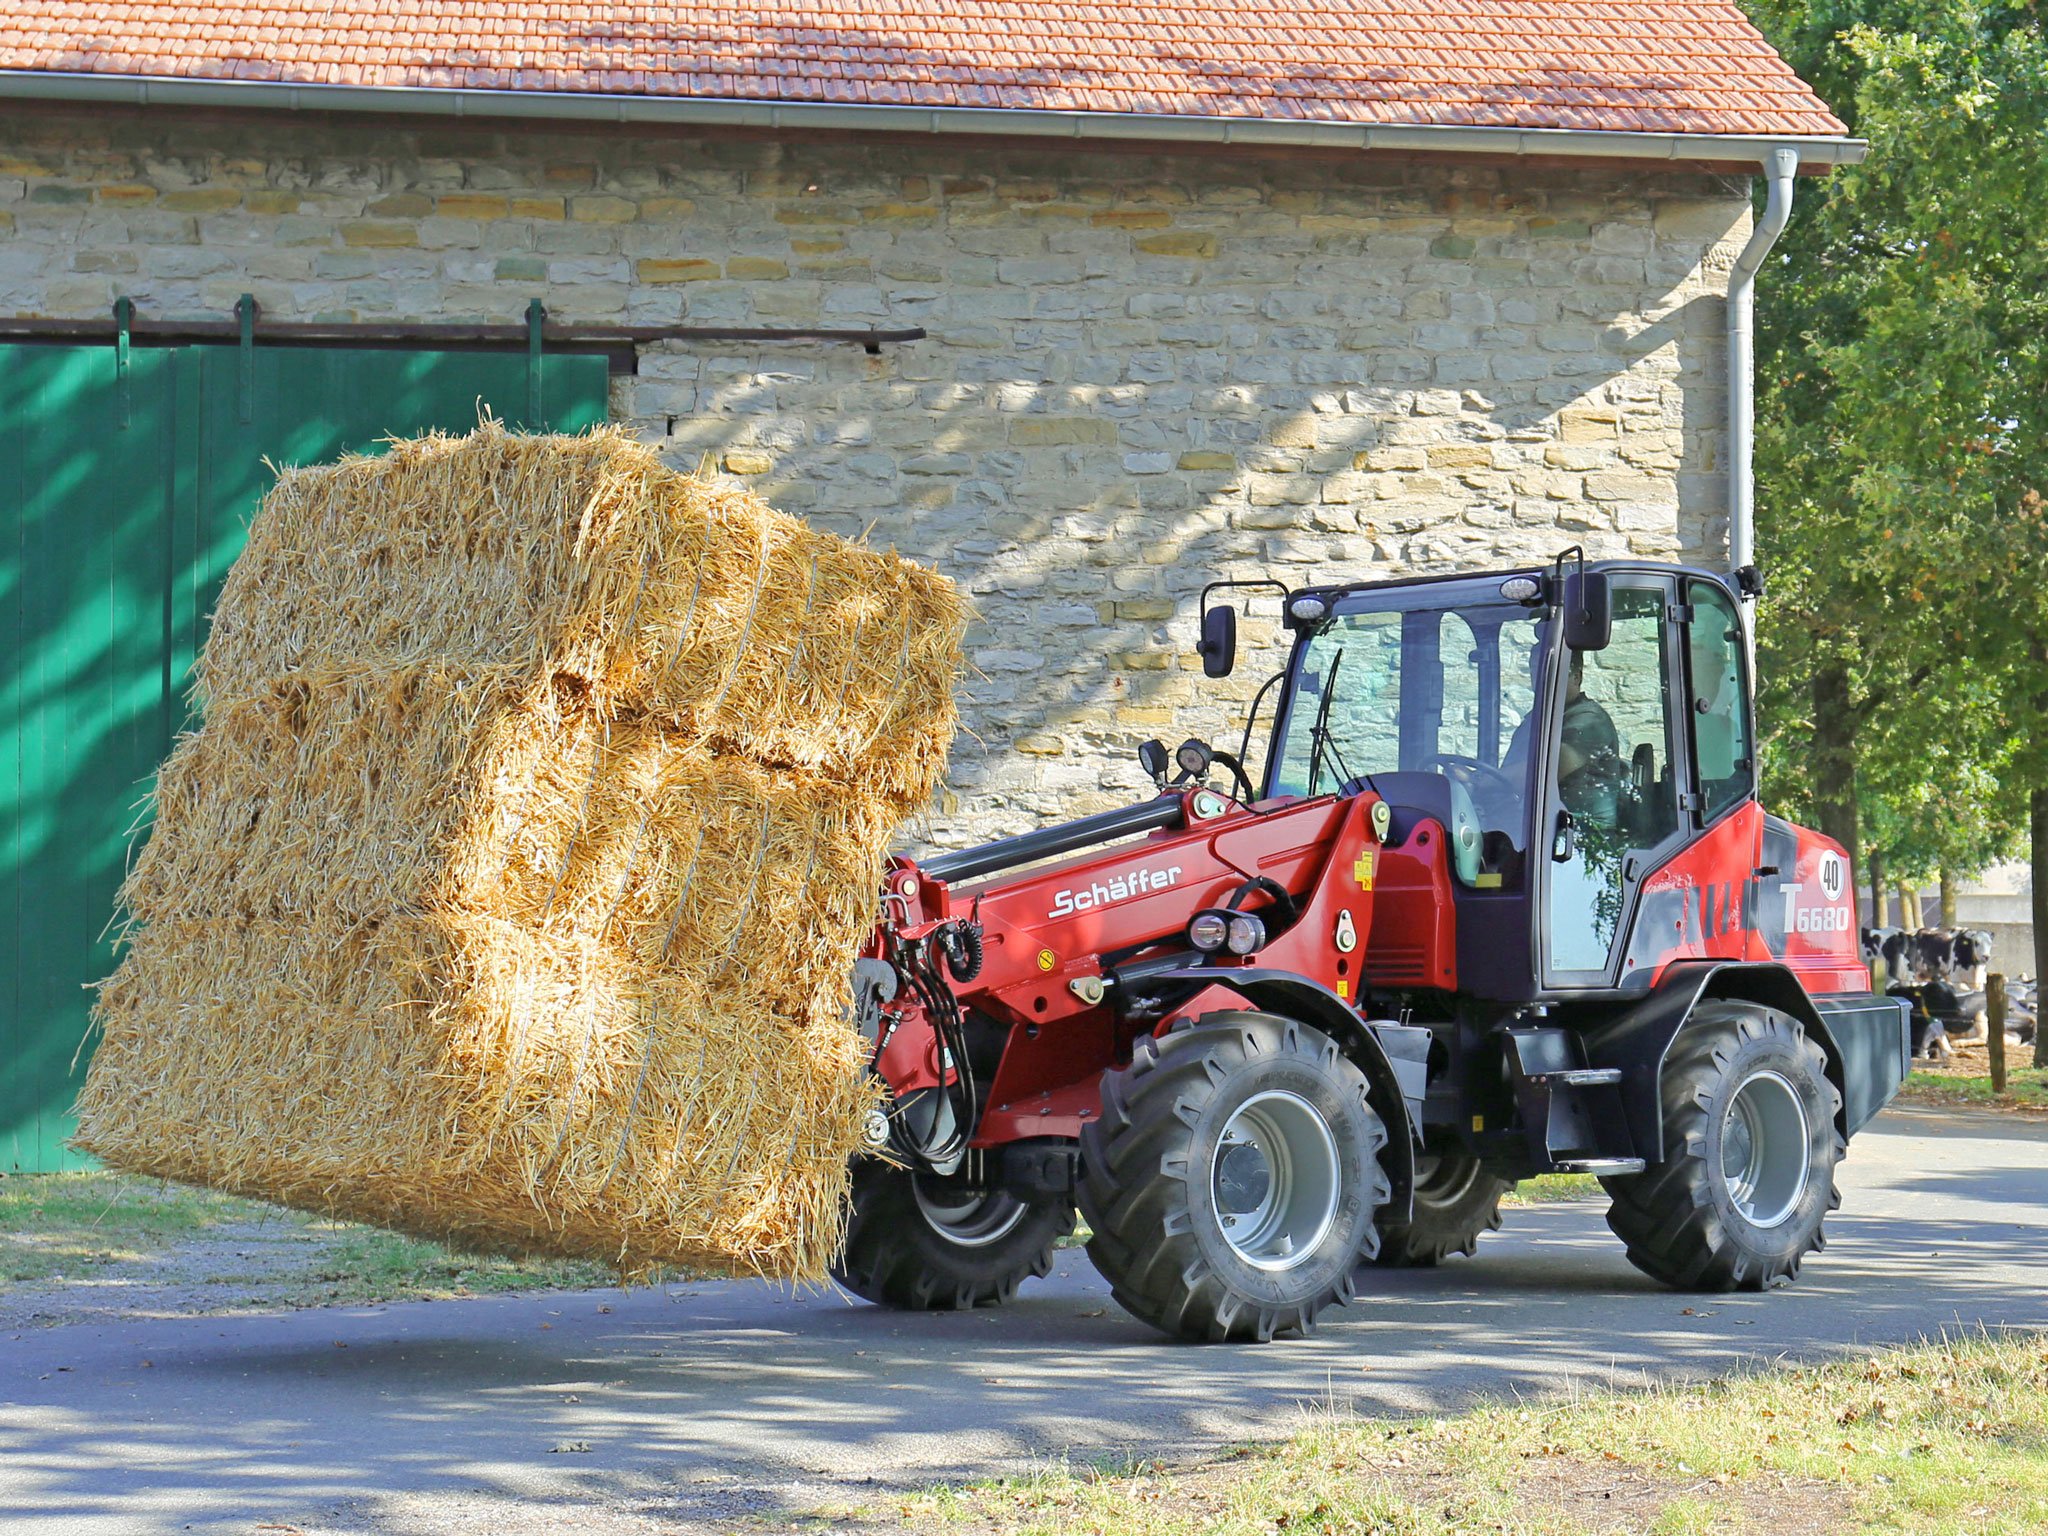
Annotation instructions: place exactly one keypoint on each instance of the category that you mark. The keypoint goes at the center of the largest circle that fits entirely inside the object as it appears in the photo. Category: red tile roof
(1690, 66)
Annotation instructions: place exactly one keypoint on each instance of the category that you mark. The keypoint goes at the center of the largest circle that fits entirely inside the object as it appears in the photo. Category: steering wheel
(1490, 787)
(1466, 769)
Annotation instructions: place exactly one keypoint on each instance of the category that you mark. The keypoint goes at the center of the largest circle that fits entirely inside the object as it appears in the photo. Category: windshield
(1421, 680)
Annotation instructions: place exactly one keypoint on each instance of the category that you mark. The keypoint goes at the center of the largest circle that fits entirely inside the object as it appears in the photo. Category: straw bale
(508, 892)
(688, 599)
(467, 1079)
(339, 800)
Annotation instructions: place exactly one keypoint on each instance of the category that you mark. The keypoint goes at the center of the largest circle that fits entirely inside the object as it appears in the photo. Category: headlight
(1246, 934)
(1209, 931)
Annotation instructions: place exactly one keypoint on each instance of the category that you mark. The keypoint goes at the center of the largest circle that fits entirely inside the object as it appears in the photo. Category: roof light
(1308, 608)
(1521, 589)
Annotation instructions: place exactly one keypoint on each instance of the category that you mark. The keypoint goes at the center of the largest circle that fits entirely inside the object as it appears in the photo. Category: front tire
(1750, 1150)
(927, 1244)
(1233, 1179)
(1456, 1199)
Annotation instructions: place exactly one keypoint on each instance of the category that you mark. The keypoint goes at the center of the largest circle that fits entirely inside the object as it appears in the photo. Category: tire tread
(1665, 1215)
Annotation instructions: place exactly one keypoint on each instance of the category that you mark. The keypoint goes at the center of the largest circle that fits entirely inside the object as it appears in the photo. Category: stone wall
(1144, 371)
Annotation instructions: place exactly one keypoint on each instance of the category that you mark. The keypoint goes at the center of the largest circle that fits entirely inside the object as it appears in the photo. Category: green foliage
(1556, 1188)
(1902, 449)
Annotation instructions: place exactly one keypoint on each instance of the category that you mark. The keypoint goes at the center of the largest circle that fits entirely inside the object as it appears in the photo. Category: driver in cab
(1589, 747)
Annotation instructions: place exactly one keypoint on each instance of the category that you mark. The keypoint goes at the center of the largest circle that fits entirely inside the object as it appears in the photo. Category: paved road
(696, 1403)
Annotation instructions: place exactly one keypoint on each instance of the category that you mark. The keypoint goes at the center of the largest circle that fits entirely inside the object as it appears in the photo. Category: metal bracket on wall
(536, 319)
(245, 317)
(124, 318)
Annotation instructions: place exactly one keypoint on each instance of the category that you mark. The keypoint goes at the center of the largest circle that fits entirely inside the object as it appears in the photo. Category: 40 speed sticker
(1834, 874)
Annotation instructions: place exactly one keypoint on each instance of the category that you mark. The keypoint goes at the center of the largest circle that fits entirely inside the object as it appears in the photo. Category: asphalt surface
(689, 1406)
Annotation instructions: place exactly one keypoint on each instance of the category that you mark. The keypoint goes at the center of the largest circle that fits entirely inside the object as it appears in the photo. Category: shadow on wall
(1143, 372)
(1084, 441)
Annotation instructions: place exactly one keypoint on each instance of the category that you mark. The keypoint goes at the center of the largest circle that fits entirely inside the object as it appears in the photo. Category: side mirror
(1588, 611)
(1218, 649)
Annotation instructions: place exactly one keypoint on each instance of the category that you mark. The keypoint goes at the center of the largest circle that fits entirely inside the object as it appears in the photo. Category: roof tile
(1643, 65)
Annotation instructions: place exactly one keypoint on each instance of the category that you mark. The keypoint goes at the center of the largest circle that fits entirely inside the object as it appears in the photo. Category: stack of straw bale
(509, 891)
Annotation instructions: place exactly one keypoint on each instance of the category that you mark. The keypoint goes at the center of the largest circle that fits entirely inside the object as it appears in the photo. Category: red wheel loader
(1500, 901)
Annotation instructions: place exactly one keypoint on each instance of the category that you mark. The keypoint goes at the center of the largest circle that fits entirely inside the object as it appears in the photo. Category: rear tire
(1232, 1181)
(924, 1244)
(1456, 1199)
(1750, 1150)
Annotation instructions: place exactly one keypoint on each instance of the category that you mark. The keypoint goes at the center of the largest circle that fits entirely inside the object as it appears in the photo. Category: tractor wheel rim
(1276, 1180)
(1764, 1149)
(972, 1221)
(1443, 1177)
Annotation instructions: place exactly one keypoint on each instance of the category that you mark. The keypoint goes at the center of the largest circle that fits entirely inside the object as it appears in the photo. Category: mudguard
(1867, 1038)
(1393, 1057)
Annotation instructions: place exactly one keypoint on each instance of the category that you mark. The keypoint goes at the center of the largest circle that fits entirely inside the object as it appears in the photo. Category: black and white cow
(1933, 953)
(1930, 1033)
(1889, 946)
(1970, 955)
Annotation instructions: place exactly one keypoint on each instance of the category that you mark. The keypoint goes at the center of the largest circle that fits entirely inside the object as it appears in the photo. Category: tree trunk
(1948, 899)
(2038, 862)
(1876, 889)
(1909, 905)
(1834, 762)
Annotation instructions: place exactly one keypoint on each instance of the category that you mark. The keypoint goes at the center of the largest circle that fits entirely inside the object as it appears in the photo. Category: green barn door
(84, 502)
(124, 497)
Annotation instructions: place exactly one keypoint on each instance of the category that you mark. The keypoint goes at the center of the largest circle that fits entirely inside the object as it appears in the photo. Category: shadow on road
(692, 1397)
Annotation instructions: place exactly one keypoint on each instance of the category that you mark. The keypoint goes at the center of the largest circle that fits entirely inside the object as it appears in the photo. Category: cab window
(1723, 755)
(1613, 786)
(1412, 689)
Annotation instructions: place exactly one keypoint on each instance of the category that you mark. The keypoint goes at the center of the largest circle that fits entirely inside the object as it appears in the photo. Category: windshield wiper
(1319, 733)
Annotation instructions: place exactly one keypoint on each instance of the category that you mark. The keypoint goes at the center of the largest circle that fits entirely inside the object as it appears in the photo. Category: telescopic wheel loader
(1502, 902)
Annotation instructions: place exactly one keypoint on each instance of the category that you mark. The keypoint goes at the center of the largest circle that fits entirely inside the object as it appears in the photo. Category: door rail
(620, 344)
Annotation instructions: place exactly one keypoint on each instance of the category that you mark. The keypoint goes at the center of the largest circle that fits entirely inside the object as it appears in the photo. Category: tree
(1903, 440)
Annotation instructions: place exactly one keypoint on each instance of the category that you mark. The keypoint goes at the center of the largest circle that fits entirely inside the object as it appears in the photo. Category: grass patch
(58, 1224)
(111, 1240)
(1946, 1439)
(2025, 1088)
(111, 1201)
(369, 1265)
(1551, 1188)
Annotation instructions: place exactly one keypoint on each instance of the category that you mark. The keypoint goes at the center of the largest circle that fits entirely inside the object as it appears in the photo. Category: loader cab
(1564, 773)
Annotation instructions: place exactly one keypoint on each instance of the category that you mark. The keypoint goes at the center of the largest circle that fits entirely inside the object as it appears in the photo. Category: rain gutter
(695, 111)
(1780, 166)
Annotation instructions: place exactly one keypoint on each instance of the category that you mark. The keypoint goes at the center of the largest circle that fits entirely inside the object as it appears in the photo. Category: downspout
(1780, 165)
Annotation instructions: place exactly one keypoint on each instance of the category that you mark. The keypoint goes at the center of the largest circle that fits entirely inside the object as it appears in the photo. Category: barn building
(1085, 303)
